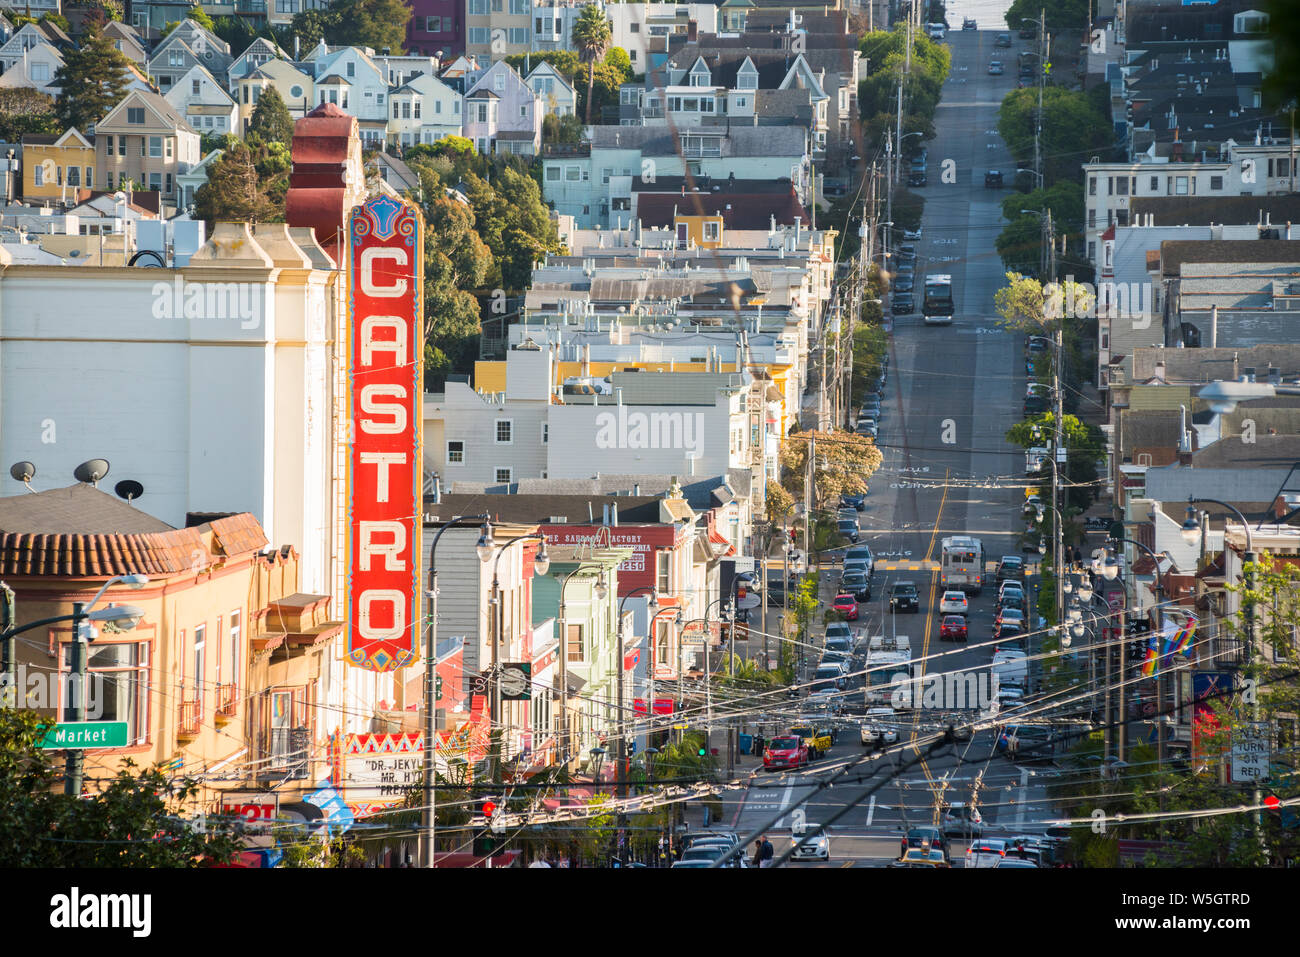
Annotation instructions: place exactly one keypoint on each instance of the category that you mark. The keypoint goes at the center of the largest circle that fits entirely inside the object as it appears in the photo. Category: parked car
(995, 68)
(917, 177)
(867, 428)
(788, 751)
(880, 727)
(1014, 601)
(848, 528)
(857, 585)
(847, 605)
(855, 501)
(838, 630)
(837, 645)
(962, 820)
(1008, 617)
(902, 304)
(968, 23)
(1011, 568)
(856, 565)
(905, 282)
(903, 597)
(953, 629)
(912, 234)
(1034, 405)
(953, 603)
(705, 855)
(993, 179)
(861, 552)
(1010, 585)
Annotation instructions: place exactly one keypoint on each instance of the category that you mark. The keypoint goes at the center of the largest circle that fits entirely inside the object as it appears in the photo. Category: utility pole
(9, 667)
(1059, 444)
(76, 757)
(1042, 79)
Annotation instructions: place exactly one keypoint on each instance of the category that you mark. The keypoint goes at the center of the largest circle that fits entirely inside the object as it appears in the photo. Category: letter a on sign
(385, 390)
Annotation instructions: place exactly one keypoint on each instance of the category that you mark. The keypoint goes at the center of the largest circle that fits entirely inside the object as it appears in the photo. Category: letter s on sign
(368, 257)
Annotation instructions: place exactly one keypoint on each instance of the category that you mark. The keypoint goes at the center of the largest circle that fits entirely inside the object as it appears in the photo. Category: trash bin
(746, 743)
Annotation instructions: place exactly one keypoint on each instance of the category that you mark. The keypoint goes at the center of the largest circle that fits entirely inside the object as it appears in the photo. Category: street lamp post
(652, 608)
(1111, 571)
(484, 547)
(601, 590)
(541, 565)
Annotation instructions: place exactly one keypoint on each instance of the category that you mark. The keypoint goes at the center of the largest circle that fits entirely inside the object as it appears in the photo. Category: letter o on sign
(396, 600)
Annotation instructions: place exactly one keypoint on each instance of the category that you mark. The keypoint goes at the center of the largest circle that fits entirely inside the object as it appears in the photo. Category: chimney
(613, 514)
(604, 514)
(1214, 327)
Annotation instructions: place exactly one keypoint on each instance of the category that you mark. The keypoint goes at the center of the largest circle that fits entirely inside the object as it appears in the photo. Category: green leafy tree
(618, 58)
(561, 129)
(591, 35)
(312, 26)
(1027, 305)
(1073, 130)
(1061, 16)
(236, 191)
(845, 462)
(456, 261)
(271, 121)
(25, 110)
(92, 80)
(135, 821)
(378, 24)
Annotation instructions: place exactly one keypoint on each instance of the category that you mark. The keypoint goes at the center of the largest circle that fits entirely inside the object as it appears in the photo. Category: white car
(962, 820)
(953, 603)
(986, 852)
(912, 234)
(879, 727)
(811, 848)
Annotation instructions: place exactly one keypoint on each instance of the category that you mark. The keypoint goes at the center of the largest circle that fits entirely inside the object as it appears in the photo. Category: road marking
(785, 800)
(1020, 807)
(871, 810)
(929, 615)
(846, 864)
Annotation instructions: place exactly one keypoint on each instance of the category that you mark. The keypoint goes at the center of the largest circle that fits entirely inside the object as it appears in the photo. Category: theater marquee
(385, 391)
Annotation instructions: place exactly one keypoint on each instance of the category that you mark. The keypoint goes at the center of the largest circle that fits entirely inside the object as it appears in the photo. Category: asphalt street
(951, 395)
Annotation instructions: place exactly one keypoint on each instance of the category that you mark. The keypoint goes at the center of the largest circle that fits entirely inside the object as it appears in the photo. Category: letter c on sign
(368, 257)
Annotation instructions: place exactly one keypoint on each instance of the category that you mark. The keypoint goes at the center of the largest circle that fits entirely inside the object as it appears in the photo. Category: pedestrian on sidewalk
(757, 860)
(766, 853)
(758, 744)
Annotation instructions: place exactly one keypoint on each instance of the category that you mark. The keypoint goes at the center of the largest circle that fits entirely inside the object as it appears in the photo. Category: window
(519, 35)
(40, 73)
(1284, 167)
(499, 82)
(576, 647)
(1121, 217)
(546, 432)
(352, 69)
(121, 669)
(433, 24)
(502, 474)
(1121, 186)
(396, 111)
(635, 27)
(552, 174)
(169, 142)
(497, 6)
(74, 175)
(505, 431)
(155, 146)
(456, 452)
(482, 113)
(38, 172)
(1110, 185)
(194, 87)
(1092, 250)
(1180, 185)
(1155, 184)
(478, 8)
(520, 7)
(523, 112)
(572, 174)
(90, 177)
(199, 660)
(234, 641)
(664, 562)
(711, 232)
(167, 187)
(1092, 218)
(121, 146)
(663, 645)
(135, 115)
(108, 145)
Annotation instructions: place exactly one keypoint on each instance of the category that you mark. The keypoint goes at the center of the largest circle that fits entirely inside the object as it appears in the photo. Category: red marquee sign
(386, 391)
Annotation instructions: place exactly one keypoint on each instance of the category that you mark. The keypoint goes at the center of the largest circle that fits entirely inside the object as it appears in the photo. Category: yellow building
(55, 167)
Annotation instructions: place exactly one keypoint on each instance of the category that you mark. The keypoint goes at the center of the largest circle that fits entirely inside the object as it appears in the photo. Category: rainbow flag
(1183, 640)
(1149, 664)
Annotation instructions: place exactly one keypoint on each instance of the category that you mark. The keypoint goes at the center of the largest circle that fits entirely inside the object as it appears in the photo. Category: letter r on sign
(390, 550)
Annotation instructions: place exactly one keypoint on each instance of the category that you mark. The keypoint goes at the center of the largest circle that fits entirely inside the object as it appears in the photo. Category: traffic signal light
(437, 688)
(489, 808)
(703, 750)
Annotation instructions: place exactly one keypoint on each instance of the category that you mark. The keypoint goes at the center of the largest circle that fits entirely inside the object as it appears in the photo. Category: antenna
(91, 471)
(128, 489)
(23, 472)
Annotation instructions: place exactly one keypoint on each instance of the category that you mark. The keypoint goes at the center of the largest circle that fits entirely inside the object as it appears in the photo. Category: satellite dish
(22, 472)
(128, 489)
(91, 471)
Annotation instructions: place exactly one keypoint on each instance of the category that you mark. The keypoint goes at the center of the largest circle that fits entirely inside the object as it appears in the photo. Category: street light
(652, 609)
(600, 590)
(597, 759)
(1223, 397)
(484, 549)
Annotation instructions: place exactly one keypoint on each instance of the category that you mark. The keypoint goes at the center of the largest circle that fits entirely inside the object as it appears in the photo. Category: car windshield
(706, 852)
(905, 590)
(955, 620)
(837, 644)
(845, 600)
(784, 744)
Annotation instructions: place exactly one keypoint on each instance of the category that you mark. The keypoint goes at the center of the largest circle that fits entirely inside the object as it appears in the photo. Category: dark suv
(917, 177)
(993, 179)
(903, 598)
(1011, 567)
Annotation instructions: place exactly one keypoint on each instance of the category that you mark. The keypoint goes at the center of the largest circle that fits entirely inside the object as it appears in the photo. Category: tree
(618, 58)
(1073, 130)
(92, 80)
(311, 26)
(844, 464)
(602, 92)
(561, 129)
(271, 121)
(378, 24)
(455, 262)
(133, 822)
(1026, 305)
(1283, 81)
(1061, 16)
(591, 35)
(237, 192)
(25, 110)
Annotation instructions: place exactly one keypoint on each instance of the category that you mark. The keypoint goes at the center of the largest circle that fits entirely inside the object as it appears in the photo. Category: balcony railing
(191, 717)
(226, 702)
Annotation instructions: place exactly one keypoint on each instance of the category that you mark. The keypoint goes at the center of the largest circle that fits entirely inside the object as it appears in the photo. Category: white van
(936, 31)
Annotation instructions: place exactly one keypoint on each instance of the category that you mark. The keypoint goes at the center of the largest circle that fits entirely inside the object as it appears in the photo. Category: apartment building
(503, 114)
(145, 140)
(497, 28)
(437, 28)
(204, 103)
(424, 110)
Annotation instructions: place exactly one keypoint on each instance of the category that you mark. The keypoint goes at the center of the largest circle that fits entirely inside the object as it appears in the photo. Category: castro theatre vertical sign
(385, 394)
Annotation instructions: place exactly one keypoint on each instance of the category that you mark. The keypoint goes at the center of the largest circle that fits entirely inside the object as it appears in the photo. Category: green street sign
(86, 734)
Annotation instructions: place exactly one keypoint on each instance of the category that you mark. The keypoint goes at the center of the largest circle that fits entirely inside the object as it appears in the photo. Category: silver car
(811, 848)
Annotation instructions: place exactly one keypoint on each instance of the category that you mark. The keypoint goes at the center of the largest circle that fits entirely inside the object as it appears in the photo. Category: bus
(936, 307)
(886, 661)
(961, 564)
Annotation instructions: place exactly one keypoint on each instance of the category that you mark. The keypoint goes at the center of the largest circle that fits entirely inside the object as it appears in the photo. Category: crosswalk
(930, 566)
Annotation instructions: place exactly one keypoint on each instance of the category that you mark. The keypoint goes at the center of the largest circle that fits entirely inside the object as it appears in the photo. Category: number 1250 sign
(385, 382)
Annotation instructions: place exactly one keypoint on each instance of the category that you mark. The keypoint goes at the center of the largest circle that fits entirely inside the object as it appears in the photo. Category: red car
(788, 751)
(953, 628)
(847, 606)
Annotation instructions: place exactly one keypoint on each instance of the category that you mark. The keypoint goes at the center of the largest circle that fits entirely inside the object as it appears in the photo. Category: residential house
(351, 80)
(294, 86)
(399, 68)
(149, 17)
(497, 28)
(575, 181)
(187, 46)
(436, 28)
(144, 139)
(57, 167)
(204, 103)
(558, 96)
(257, 53)
(507, 121)
(424, 110)
(397, 175)
(30, 61)
(128, 41)
(193, 179)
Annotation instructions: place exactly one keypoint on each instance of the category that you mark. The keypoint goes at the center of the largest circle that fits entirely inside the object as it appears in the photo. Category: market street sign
(86, 734)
